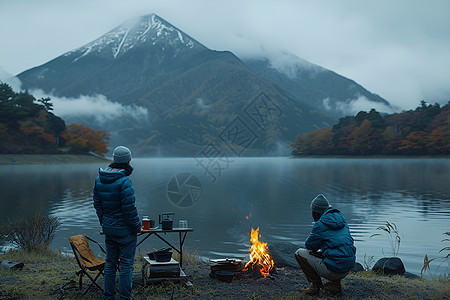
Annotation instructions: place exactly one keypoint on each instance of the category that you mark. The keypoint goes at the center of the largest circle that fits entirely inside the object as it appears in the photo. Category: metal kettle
(166, 221)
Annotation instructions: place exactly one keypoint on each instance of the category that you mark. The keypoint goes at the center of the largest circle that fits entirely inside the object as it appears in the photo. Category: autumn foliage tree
(423, 131)
(27, 125)
(34, 134)
(439, 137)
(318, 141)
(81, 139)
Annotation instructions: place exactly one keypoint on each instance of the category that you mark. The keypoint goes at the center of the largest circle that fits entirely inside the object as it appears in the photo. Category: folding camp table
(182, 232)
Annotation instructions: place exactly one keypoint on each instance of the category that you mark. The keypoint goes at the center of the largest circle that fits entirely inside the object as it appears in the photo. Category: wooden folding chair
(86, 259)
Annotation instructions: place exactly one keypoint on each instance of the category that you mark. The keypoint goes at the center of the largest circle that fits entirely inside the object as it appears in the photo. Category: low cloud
(326, 103)
(97, 107)
(283, 61)
(200, 104)
(360, 103)
(289, 64)
(13, 81)
(363, 104)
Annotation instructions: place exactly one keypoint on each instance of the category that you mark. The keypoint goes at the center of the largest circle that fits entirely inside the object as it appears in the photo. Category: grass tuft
(392, 234)
(190, 257)
(42, 275)
(40, 254)
(445, 277)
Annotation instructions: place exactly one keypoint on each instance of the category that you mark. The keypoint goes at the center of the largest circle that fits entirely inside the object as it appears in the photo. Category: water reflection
(270, 193)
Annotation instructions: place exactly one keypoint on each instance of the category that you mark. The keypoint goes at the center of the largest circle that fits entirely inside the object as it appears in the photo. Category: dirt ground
(57, 280)
(285, 284)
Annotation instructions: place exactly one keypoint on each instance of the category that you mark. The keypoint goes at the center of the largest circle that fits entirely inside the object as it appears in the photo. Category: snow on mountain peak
(292, 65)
(145, 29)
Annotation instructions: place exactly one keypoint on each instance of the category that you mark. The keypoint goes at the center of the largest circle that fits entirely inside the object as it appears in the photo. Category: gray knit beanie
(121, 154)
(320, 204)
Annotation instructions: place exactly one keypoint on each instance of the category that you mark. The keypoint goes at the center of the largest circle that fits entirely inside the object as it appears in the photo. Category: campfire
(259, 256)
(260, 265)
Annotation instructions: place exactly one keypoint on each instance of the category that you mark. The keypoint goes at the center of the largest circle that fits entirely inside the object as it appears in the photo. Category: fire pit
(260, 265)
(226, 269)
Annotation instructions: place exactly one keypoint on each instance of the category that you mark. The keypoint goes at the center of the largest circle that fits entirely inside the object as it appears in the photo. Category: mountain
(195, 97)
(323, 89)
(121, 61)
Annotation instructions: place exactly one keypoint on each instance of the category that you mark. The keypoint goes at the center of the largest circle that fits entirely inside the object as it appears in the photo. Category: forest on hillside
(422, 131)
(27, 125)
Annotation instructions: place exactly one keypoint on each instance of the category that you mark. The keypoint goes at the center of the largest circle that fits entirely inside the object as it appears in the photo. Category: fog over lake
(222, 203)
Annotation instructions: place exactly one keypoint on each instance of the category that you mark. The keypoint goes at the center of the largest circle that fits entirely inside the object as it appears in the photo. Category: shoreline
(52, 159)
(53, 276)
(374, 156)
(47, 159)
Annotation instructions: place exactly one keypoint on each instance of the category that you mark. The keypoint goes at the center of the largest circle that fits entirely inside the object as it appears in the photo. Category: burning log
(260, 260)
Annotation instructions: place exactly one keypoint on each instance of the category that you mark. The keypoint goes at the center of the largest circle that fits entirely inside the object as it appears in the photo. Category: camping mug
(152, 223)
(145, 223)
(183, 224)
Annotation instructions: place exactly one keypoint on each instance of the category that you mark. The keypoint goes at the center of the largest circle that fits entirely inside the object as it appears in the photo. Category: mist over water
(271, 193)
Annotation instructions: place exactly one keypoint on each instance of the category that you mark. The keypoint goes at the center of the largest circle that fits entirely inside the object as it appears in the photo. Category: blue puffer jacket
(331, 234)
(114, 203)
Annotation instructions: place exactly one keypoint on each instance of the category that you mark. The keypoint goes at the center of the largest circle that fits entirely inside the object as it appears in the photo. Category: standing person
(118, 216)
(329, 249)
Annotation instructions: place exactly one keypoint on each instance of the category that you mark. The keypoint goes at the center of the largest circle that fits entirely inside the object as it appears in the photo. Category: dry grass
(39, 255)
(444, 262)
(190, 257)
(406, 287)
(44, 272)
(392, 234)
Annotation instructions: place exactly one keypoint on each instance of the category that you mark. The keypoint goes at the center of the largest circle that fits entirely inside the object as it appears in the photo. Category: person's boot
(334, 287)
(314, 289)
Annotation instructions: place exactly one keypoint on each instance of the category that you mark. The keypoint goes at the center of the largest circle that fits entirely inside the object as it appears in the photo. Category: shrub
(31, 233)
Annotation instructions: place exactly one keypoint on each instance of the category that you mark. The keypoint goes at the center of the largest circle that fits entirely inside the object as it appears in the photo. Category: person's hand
(316, 254)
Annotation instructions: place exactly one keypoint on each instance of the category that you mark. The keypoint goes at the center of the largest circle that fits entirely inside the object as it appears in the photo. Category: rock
(389, 266)
(411, 275)
(10, 265)
(357, 267)
(283, 254)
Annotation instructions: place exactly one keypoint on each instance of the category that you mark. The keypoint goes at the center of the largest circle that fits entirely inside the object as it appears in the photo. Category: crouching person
(329, 252)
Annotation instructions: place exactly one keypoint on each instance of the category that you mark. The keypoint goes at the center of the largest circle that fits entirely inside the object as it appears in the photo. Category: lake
(223, 200)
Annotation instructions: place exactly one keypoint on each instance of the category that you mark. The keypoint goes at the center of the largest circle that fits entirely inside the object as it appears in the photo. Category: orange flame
(259, 255)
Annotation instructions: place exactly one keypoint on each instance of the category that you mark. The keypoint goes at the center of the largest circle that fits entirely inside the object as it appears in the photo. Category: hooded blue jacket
(114, 203)
(332, 235)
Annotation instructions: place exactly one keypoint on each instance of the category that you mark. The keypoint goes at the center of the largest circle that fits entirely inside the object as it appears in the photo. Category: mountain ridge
(192, 93)
(319, 86)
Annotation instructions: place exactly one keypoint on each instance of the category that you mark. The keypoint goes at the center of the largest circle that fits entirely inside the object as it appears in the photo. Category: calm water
(271, 193)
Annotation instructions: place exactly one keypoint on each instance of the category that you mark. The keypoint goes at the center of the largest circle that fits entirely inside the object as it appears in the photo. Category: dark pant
(123, 248)
(314, 268)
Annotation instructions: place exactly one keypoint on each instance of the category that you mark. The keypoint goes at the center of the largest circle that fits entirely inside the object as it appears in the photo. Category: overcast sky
(399, 49)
